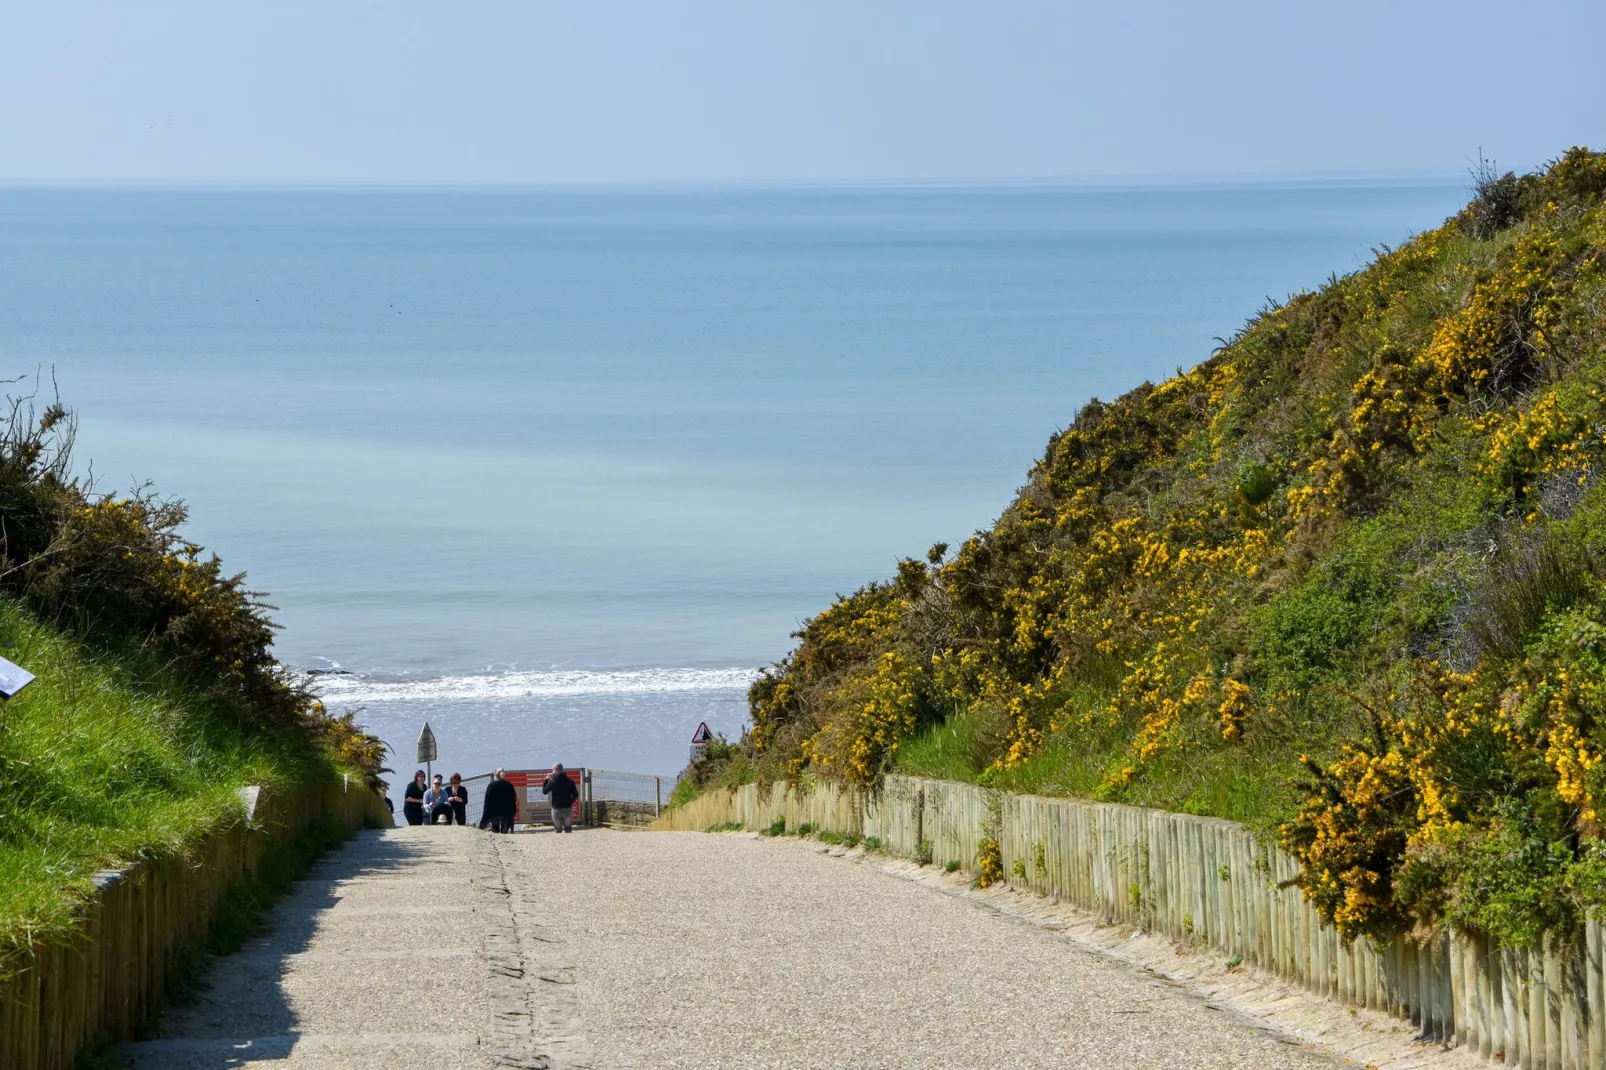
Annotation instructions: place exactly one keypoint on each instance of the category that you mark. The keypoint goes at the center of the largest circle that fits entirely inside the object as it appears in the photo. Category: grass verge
(106, 761)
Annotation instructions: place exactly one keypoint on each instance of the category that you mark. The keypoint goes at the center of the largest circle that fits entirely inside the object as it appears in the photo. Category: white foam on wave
(494, 687)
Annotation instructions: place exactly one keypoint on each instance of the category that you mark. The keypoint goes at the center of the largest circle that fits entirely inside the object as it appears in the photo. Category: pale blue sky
(537, 91)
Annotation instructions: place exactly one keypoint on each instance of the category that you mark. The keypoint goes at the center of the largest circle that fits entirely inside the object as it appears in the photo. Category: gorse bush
(115, 571)
(1341, 580)
(157, 697)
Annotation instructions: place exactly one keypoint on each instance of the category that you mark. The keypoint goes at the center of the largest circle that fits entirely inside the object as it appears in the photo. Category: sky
(643, 91)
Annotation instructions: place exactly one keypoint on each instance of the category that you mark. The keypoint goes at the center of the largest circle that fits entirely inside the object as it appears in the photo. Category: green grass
(104, 762)
(839, 839)
(1249, 784)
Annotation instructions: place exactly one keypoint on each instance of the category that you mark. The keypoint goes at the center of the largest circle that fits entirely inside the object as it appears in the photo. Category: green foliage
(115, 570)
(990, 863)
(874, 845)
(157, 694)
(923, 853)
(725, 826)
(775, 828)
(720, 764)
(1497, 200)
(1337, 581)
(105, 760)
(952, 866)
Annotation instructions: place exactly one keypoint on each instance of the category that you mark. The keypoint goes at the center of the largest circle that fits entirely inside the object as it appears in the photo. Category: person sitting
(560, 789)
(501, 807)
(457, 798)
(438, 803)
(413, 800)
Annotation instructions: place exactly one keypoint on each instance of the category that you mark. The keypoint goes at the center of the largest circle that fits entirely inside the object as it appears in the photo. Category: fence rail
(616, 798)
(109, 976)
(1211, 881)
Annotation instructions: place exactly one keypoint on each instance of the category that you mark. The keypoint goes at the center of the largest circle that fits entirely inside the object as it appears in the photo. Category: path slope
(731, 951)
(451, 947)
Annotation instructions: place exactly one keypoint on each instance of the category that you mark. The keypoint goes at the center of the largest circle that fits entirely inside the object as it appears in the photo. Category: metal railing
(607, 796)
(617, 798)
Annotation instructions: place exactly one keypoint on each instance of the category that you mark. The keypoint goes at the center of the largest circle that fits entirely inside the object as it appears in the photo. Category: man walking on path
(560, 790)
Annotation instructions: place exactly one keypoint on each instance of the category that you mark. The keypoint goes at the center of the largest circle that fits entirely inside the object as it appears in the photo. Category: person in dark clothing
(560, 790)
(413, 800)
(457, 799)
(501, 807)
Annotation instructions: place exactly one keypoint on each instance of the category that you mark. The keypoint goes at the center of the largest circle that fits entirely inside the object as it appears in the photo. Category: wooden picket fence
(1212, 882)
(109, 977)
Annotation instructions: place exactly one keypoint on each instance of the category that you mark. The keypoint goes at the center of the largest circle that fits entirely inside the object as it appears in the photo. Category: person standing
(437, 803)
(413, 800)
(501, 807)
(560, 791)
(457, 798)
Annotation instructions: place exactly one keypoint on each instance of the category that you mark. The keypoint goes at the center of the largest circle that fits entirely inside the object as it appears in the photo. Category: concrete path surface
(408, 948)
(449, 947)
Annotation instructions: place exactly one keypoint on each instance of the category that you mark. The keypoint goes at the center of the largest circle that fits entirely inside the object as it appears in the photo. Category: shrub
(989, 863)
(1496, 199)
(1323, 581)
(116, 572)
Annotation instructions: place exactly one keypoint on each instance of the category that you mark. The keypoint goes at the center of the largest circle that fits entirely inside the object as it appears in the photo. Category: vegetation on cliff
(1342, 580)
(156, 697)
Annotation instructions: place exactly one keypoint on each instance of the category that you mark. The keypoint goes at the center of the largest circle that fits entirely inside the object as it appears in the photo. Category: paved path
(453, 948)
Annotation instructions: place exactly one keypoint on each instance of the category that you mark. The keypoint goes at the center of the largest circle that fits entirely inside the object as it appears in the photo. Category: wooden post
(1596, 1028)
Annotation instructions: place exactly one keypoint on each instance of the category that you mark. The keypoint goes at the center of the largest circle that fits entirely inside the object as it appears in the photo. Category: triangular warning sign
(702, 735)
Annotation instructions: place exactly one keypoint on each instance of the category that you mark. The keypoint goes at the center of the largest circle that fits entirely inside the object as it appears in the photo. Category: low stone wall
(1210, 881)
(109, 977)
(621, 813)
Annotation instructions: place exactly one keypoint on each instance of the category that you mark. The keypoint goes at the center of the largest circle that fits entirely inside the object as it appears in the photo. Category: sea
(558, 470)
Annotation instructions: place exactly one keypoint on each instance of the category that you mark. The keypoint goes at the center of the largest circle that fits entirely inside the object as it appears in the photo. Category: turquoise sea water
(558, 469)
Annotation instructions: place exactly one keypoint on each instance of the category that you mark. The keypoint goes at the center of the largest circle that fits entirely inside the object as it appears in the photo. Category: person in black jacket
(457, 799)
(501, 807)
(560, 790)
(413, 800)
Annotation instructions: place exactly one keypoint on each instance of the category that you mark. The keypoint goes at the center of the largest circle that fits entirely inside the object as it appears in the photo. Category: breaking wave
(359, 688)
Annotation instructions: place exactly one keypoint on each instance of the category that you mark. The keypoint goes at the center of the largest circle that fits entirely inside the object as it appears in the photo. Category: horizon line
(1411, 177)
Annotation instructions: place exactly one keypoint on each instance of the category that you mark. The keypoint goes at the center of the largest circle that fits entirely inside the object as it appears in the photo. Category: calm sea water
(557, 470)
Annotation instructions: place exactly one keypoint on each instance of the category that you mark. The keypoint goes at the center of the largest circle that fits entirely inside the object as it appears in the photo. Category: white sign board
(13, 678)
(426, 745)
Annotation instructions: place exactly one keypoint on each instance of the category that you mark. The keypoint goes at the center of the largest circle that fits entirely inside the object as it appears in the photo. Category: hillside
(1342, 580)
(157, 694)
